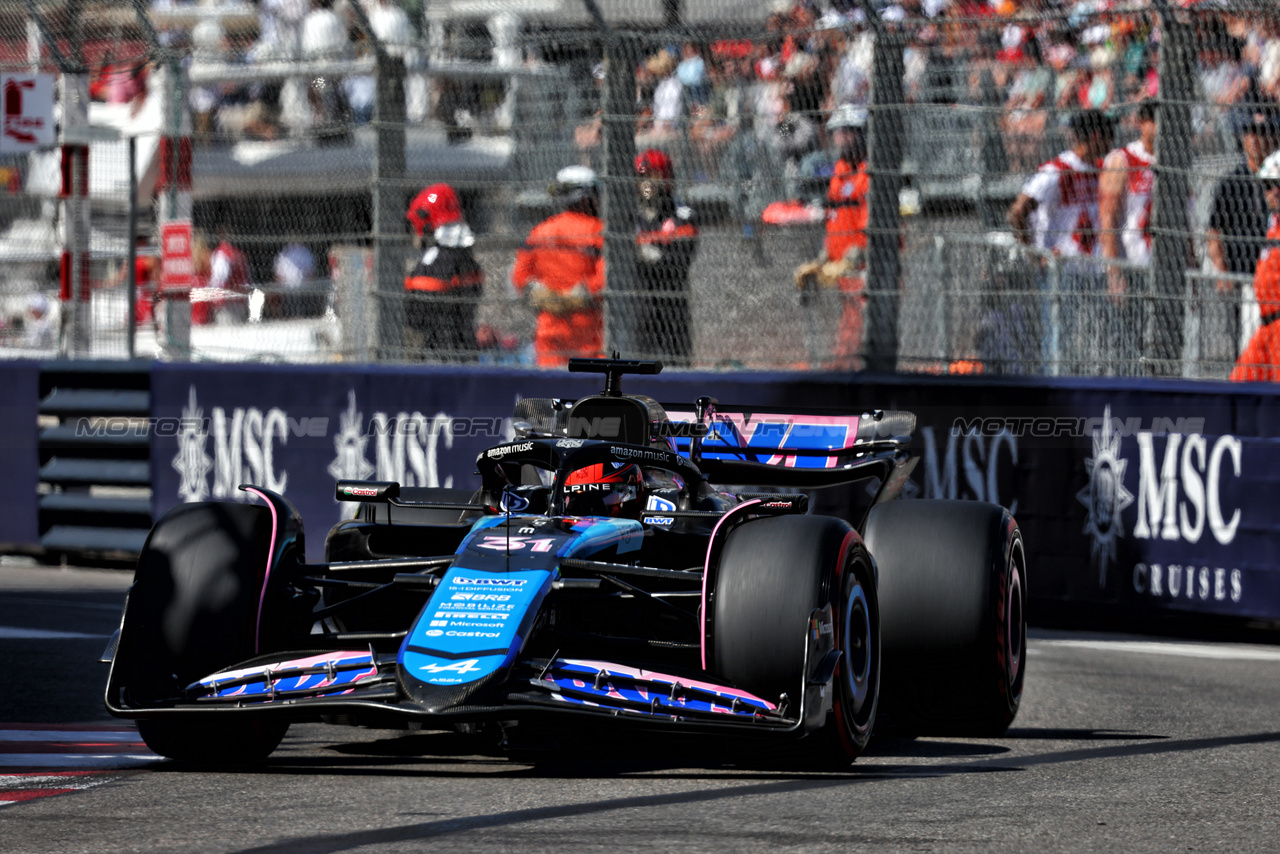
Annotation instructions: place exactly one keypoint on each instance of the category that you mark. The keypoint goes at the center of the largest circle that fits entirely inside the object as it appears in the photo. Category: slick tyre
(952, 580)
(773, 573)
(202, 582)
(213, 739)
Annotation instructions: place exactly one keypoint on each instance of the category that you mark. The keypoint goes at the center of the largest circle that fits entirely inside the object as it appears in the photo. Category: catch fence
(309, 135)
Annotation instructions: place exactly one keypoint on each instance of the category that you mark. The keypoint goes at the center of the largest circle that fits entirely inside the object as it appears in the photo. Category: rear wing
(738, 444)
(795, 449)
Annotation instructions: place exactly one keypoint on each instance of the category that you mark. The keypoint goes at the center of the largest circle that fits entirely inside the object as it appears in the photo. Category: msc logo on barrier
(246, 442)
(1179, 499)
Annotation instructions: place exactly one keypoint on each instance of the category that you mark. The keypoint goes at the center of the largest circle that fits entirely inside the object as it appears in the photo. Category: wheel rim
(858, 652)
(1013, 620)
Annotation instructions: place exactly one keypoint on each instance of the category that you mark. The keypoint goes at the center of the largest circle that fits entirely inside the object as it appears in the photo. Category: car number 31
(515, 544)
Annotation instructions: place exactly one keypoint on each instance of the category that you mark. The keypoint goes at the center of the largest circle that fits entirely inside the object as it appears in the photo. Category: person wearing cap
(1057, 213)
(842, 263)
(37, 327)
(1260, 361)
(444, 287)
(1237, 223)
(560, 271)
(666, 241)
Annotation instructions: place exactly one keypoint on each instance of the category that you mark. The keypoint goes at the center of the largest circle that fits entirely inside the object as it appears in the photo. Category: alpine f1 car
(598, 574)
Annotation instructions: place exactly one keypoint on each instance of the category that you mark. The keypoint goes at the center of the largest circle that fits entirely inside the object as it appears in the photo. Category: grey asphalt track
(1123, 744)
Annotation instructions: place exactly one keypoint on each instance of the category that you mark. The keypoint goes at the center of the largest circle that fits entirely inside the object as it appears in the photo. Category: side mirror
(367, 490)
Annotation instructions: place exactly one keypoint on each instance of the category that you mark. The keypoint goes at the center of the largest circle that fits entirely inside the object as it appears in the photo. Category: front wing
(352, 681)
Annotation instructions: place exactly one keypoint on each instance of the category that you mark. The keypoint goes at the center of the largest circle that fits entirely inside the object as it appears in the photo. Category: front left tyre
(203, 599)
(772, 575)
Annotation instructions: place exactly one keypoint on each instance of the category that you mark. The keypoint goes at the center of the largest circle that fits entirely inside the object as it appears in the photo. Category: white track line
(1222, 652)
(88, 761)
(73, 749)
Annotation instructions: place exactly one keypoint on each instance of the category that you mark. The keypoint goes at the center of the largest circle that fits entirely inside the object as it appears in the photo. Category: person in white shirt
(1124, 211)
(1060, 202)
(294, 266)
(324, 34)
(1124, 197)
(1057, 213)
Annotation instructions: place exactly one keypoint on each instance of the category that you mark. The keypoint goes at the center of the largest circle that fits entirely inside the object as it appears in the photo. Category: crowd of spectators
(1030, 63)
(751, 110)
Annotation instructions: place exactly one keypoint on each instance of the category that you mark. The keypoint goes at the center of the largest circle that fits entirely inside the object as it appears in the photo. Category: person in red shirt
(226, 292)
(842, 263)
(445, 287)
(1260, 361)
(560, 270)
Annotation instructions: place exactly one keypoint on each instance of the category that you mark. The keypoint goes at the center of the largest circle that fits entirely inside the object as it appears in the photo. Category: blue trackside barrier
(19, 409)
(1139, 500)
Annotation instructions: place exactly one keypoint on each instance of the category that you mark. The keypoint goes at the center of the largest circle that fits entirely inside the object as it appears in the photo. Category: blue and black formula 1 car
(591, 579)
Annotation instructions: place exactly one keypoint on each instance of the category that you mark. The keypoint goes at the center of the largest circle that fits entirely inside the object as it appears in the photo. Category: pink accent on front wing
(654, 676)
(706, 571)
(288, 665)
(266, 576)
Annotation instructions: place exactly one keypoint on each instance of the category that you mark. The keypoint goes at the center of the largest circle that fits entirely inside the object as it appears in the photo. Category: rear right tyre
(953, 587)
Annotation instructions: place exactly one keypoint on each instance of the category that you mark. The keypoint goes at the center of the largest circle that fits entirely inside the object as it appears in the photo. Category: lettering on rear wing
(764, 437)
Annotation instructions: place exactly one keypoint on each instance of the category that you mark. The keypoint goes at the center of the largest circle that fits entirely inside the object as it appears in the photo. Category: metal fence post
(76, 214)
(618, 196)
(1054, 349)
(884, 228)
(1162, 332)
(131, 257)
(388, 205)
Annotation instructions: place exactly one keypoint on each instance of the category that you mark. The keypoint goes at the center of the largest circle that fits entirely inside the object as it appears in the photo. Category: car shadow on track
(446, 754)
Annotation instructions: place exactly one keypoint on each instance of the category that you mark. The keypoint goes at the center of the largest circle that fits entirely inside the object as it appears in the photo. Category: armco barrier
(95, 471)
(19, 399)
(1136, 499)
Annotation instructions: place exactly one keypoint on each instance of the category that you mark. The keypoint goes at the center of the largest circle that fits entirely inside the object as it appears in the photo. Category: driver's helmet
(603, 490)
